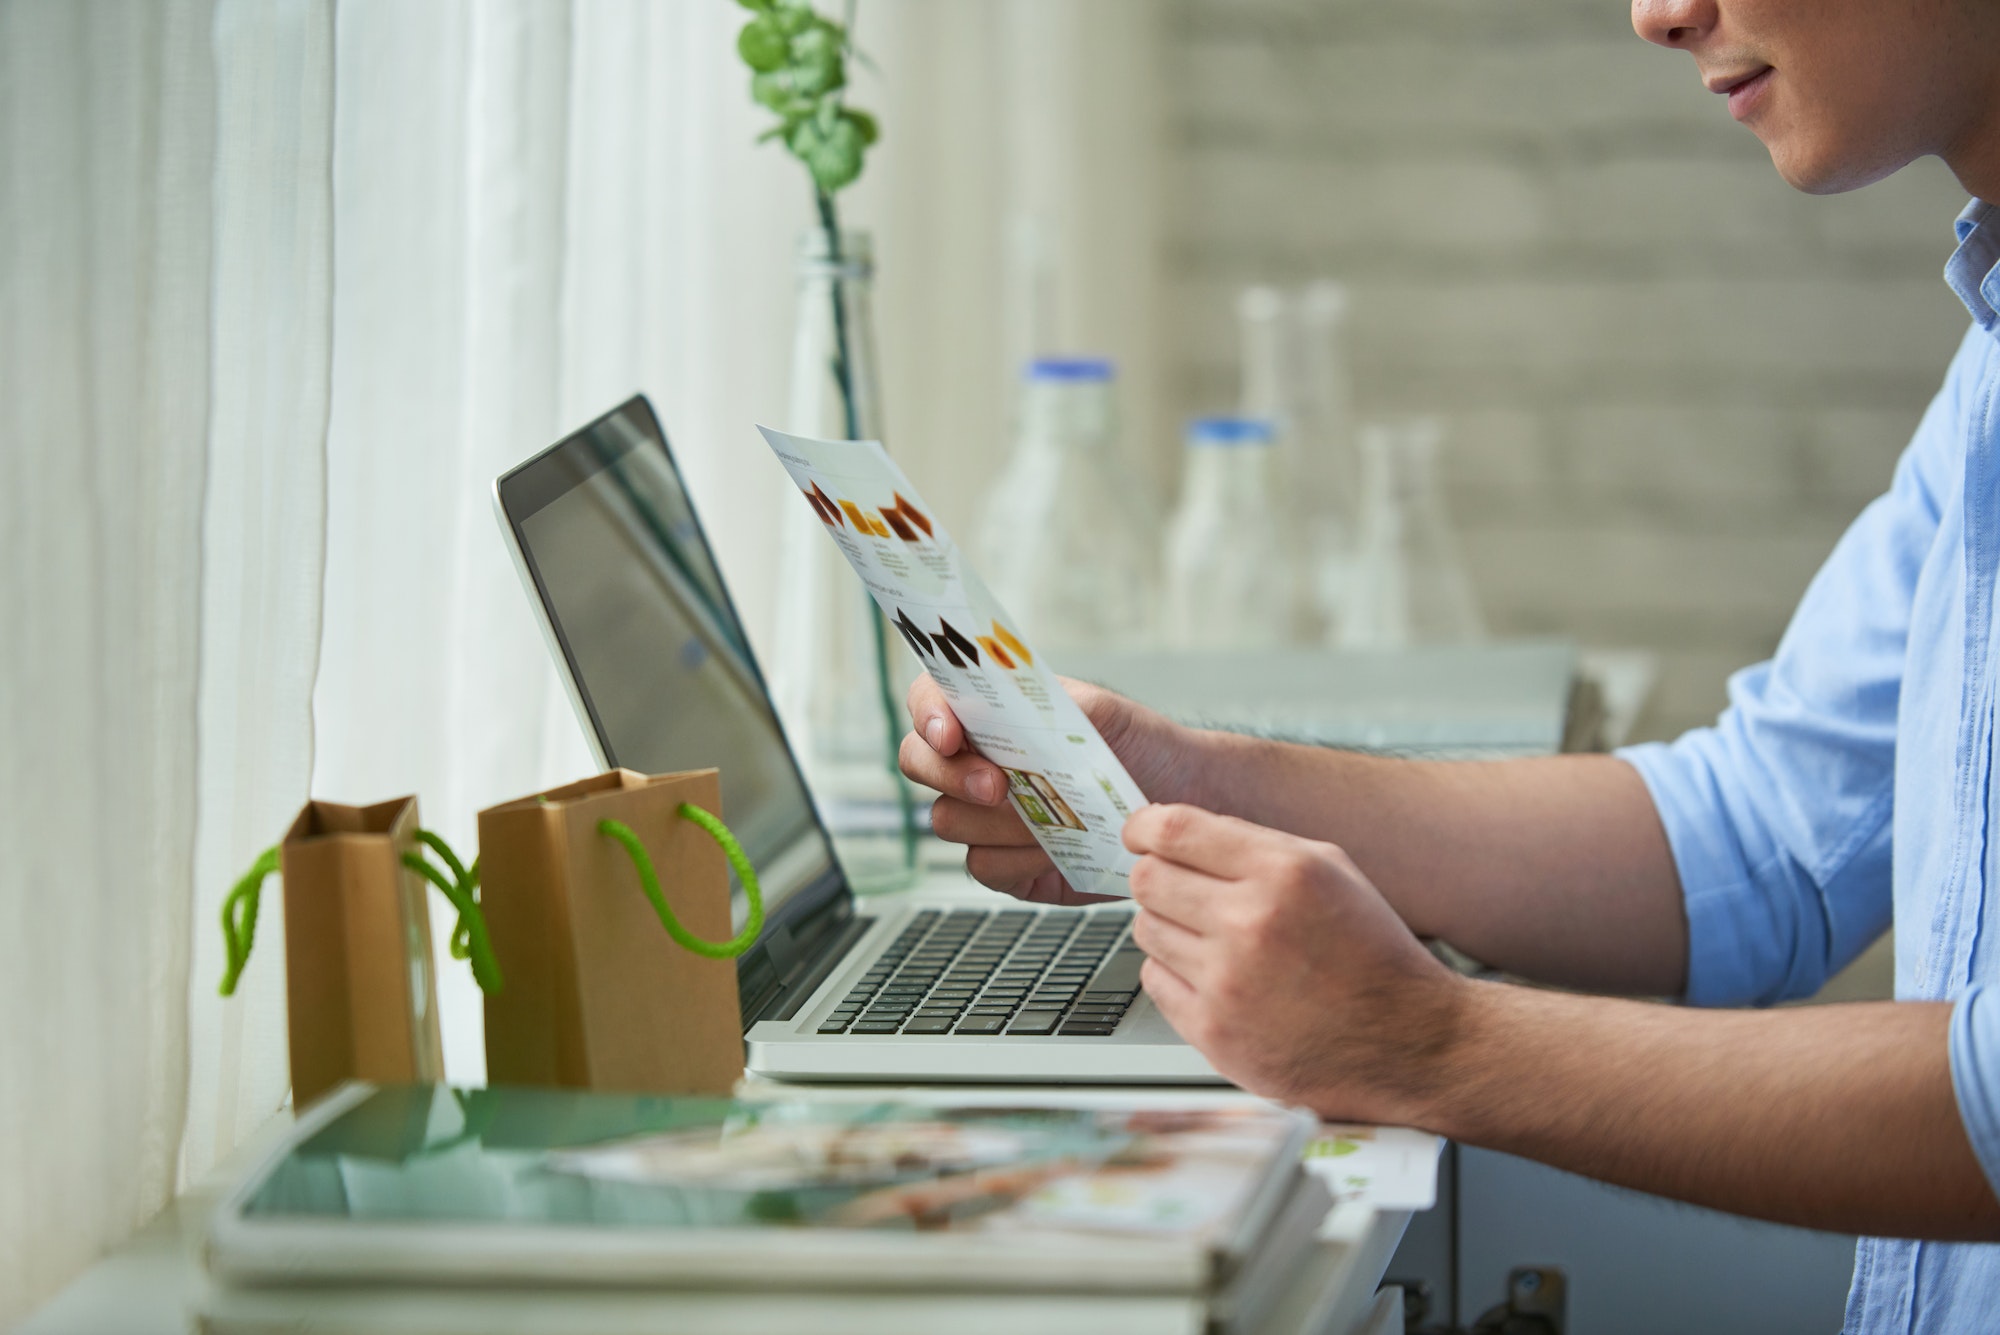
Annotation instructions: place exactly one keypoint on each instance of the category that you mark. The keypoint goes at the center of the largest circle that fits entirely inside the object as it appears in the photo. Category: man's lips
(1742, 89)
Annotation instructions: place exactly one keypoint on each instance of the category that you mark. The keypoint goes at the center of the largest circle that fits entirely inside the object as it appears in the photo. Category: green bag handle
(469, 940)
(649, 881)
(239, 917)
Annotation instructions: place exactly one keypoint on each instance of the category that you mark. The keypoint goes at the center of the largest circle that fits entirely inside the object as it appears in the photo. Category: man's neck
(1972, 150)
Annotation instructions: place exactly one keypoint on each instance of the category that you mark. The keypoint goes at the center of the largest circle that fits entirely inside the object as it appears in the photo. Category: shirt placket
(1964, 908)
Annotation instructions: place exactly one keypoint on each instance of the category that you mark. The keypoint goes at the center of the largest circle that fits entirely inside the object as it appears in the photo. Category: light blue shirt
(1850, 781)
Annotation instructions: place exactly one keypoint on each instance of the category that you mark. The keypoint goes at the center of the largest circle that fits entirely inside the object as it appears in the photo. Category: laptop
(938, 986)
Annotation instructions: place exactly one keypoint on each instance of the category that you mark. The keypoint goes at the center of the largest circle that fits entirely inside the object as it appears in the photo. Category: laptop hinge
(784, 1001)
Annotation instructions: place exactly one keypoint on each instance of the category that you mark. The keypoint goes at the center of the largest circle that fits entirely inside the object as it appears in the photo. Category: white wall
(1671, 380)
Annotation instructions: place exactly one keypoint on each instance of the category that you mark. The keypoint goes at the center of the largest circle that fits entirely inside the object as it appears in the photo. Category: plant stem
(843, 374)
(843, 363)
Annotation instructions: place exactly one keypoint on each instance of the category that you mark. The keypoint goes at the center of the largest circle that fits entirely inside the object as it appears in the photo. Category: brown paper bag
(361, 997)
(598, 996)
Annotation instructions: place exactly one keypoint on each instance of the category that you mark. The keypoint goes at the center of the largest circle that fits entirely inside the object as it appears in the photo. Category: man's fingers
(1173, 945)
(1050, 888)
(1179, 894)
(932, 718)
(1171, 993)
(1005, 868)
(963, 823)
(970, 777)
(1219, 845)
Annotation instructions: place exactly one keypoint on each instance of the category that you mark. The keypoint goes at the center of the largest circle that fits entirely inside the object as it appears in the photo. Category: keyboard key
(1035, 1022)
(1079, 1030)
(834, 1027)
(1121, 972)
(1123, 998)
(981, 1024)
(875, 1027)
(930, 1024)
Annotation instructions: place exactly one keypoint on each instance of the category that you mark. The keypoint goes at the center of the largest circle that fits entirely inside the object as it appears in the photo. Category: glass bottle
(1409, 587)
(1324, 472)
(1270, 394)
(1228, 584)
(837, 675)
(1066, 540)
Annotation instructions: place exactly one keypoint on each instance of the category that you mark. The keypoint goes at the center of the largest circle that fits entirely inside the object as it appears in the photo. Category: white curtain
(162, 373)
(540, 208)
(283, 285)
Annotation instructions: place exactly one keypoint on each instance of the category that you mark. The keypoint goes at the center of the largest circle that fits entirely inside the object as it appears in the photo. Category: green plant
(798, 61)
(798, 58)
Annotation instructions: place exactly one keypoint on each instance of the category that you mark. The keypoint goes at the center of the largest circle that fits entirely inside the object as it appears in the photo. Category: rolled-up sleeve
(1975, 1075)
(1779, 815)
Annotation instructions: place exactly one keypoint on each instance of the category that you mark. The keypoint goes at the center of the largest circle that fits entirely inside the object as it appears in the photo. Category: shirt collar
(1973, 271)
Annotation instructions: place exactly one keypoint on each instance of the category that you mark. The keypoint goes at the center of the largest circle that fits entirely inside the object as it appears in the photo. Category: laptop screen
(657, 655)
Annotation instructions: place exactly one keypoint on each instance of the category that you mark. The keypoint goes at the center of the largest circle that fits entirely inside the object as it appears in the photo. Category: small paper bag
(361, 997)
(598, 996)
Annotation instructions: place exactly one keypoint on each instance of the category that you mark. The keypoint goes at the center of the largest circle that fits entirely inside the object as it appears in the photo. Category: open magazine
(425, 1182)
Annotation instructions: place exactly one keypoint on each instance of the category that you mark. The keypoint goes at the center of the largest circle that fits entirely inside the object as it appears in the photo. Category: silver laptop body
(943, 984)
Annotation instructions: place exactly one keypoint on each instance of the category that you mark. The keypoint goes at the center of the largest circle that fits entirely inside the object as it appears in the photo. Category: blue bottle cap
(1229, 431)
(1084, 369)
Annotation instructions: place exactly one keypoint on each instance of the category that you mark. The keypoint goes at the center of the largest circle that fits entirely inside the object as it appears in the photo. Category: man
(1282, 889)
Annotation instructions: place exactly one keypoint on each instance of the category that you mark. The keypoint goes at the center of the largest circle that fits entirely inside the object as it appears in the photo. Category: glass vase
(1410, 588)
(838, 676)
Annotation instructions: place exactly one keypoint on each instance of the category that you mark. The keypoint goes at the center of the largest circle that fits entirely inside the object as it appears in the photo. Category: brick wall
(1671, 381)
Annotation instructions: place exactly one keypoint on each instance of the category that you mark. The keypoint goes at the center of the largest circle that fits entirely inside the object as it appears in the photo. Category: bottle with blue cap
(1067, 534)
(1229, 583)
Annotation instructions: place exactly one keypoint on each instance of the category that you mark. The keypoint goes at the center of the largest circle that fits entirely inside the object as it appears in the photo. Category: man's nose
(1675, 23)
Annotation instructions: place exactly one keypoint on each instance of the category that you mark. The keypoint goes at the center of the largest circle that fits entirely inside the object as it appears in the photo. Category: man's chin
(1818, 170)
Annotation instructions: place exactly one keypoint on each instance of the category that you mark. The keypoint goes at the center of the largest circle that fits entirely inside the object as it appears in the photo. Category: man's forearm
(1555, 869)
(1830, 1117)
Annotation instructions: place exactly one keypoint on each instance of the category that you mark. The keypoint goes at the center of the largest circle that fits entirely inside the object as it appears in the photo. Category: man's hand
(1276, 958)
(974, 810)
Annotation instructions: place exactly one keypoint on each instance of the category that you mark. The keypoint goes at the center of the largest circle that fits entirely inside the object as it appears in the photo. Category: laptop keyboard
(981, 973)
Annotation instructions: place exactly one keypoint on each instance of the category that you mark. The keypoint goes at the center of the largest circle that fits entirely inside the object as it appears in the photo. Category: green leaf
(761, 6)
(763, 45)
(833, 158)
(817, 65)
(774, 90)
(794, 16)
(804, 137)
(871, 130)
